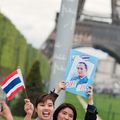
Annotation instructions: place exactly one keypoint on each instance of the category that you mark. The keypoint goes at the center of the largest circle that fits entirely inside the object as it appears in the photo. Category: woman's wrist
(28, 117)
(90, 101)
(56, 91)
(8, 117)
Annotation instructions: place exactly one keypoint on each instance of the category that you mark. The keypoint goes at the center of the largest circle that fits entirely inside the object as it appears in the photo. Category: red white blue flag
(12, 84)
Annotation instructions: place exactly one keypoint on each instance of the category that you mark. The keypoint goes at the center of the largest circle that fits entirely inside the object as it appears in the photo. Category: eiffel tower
(95, 30)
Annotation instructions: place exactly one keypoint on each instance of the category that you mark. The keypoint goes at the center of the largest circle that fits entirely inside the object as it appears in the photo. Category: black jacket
(91, 113)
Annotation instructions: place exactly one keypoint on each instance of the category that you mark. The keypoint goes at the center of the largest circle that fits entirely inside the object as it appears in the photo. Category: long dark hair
(63, 106)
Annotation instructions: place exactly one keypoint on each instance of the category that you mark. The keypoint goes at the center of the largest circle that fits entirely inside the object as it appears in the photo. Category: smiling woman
(65, 111)
(44, 107)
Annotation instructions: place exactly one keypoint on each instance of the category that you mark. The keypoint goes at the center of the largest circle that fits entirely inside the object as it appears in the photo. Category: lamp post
(63, 43)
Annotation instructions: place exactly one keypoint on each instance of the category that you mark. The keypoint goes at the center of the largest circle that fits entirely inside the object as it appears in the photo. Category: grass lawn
(108, 106)
(18, 118)
(71, 98)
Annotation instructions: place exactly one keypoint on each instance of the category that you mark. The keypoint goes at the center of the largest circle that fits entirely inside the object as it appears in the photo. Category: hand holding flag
(13, 83)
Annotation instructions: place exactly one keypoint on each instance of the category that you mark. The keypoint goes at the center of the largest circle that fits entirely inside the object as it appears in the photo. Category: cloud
(35, 19)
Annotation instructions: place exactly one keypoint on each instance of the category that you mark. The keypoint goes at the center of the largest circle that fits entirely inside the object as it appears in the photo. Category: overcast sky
(34, 18)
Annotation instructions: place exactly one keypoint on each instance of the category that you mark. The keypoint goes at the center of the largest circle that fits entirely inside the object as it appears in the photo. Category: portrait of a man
(81, 76)
(80, 72)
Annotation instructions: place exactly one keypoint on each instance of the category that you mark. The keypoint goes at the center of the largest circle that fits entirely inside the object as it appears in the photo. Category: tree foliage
(15, 51)
(34, 83)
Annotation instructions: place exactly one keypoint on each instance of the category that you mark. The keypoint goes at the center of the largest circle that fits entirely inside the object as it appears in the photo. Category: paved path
(84, 104)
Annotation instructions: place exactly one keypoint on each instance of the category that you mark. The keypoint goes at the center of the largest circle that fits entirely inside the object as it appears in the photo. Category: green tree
(34, 83)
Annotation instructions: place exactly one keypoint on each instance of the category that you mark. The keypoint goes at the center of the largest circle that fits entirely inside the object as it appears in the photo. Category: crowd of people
(44, 108)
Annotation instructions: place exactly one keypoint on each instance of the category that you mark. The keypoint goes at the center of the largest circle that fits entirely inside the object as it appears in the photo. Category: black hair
(63, 106)
(84, 64)
(42, 98)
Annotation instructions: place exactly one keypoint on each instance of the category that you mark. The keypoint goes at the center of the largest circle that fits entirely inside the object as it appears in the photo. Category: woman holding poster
(67, 111)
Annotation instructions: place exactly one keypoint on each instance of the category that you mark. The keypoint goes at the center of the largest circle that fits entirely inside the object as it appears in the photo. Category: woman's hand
(5, 113)
(60, 86)
(28, 107)
(90, 95)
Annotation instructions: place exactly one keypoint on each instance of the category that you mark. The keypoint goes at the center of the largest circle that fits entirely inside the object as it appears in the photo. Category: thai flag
(85, 57)
(12, 84)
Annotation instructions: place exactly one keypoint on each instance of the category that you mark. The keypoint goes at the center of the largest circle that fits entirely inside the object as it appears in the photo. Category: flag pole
(25, 91)
(26, 95)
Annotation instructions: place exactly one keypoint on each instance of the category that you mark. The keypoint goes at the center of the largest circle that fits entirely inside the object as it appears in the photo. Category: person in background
(5, 112)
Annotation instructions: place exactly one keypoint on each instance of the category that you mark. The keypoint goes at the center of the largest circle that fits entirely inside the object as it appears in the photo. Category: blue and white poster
(80, 72)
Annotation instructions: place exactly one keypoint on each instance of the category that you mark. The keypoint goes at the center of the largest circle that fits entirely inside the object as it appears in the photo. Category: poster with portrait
(80, 72)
